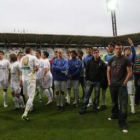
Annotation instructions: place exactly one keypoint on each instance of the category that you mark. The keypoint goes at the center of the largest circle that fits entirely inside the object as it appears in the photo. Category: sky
(69, 17)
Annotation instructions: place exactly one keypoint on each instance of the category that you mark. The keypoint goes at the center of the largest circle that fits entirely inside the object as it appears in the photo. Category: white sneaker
(125, 131)
(89, 104)
(5, 105)
(49, 102)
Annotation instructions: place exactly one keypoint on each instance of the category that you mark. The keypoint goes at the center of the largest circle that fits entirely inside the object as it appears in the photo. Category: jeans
(119, 92)
(137, 88)
(89, 87)
(82, 82)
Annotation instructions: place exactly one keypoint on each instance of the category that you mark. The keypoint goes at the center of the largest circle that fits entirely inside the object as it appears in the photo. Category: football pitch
(47, 123)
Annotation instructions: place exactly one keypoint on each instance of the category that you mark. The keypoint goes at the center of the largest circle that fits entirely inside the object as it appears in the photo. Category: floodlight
(112, 5)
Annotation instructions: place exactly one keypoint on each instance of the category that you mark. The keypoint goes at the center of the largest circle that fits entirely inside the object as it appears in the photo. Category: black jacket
(95, 70)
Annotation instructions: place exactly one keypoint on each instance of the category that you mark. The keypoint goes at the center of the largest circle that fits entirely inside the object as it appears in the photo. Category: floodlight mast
(112, 5)
(114, 24)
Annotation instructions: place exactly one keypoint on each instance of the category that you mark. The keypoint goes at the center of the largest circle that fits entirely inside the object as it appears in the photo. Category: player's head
(38, 53)
(45, 55)
(118, 49)
(56, 54)
(89, 50)
(68, 52)
(60, 53)
(127, 51)
(73, 54)
(1, 55)
(110, 48)
(96, 53)
(80, 53)
(12, 57)
(28, 50)
(20, 55)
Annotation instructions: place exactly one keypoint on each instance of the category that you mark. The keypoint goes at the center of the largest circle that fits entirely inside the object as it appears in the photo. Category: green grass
(48, 124)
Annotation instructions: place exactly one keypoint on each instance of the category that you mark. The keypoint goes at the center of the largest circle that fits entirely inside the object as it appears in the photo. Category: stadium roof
(24, 39)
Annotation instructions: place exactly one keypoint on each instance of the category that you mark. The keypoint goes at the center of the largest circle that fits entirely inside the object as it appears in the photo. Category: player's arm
(132, 50)
(36, 64)
(108, 75)
(129, 74)
(9, 76)
(78, 70)
(36, 68)
(64, 67)
(45, 72)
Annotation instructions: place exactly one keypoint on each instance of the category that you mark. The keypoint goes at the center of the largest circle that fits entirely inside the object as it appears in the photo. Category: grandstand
(15, 42)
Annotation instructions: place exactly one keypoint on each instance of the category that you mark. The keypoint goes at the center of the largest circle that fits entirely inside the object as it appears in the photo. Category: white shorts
(4, 84)
(130, 87)
(29, 87)
(60, 85)
(73, 84)
(47, 82)
(15, 88)
(39, 82)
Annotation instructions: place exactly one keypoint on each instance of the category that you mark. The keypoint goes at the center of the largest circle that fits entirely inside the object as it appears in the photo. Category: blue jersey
(86, 59)
(75, 66)
(60, 69)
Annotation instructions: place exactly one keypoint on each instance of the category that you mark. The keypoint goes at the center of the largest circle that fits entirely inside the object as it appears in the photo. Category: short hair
(39, 51)
(126, 48)
(46, 54)
(80, 51)
(89, 47)
(68, 51)
(19, 53)
(111, 44)
(74, 52)
(28, 50)
(94, 49)
(2, 52)
(13, 57)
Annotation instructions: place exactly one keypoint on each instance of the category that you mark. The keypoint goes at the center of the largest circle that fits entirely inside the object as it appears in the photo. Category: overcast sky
(72, 17)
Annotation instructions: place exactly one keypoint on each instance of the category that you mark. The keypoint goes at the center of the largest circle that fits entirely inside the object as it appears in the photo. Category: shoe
(62, 108)
(95, 110)
(103, 107)
(26, 118)
(49, 102)
(133, 110)
(76, 105)
(58, 107)
(5, 105)
(66, 104)
(112, 118)
(89, 105)
(15, 109)
(40, 100)
(81, 112)
(124, 129)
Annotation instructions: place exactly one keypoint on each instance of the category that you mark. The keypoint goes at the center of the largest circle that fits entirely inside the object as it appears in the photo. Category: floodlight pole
(114, 24)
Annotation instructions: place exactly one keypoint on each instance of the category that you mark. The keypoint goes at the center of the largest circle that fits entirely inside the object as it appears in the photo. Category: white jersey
(40, 72)
(47, 65)
(15, 72)
(4, 67)
(28, 63)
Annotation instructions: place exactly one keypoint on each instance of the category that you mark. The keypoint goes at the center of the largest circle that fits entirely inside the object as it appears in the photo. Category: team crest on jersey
(25, 61)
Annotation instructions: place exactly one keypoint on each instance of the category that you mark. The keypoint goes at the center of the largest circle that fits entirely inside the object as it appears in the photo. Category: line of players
(28, 72)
